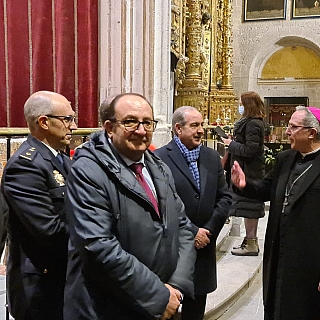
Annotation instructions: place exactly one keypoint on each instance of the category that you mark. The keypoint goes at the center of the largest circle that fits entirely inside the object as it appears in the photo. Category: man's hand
(173, 304)
(237, 176)
(319, 287)
(202, 238)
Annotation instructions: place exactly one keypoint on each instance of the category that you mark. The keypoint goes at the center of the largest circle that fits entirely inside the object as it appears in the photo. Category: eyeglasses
(66, 119)
(292, 127)
(133, 124)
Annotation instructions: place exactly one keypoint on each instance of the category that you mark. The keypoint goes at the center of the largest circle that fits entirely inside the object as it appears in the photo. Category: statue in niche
(205, 20)
(180, 72)
(203, 60)
(205, 23)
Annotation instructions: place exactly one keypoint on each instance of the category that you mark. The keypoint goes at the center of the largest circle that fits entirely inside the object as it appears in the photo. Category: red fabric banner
(65, 48)
(42, 46)
(87, 65)
(49, 45)
(18, 60)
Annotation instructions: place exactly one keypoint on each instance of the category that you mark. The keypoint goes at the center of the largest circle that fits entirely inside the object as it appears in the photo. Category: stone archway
(283, 87)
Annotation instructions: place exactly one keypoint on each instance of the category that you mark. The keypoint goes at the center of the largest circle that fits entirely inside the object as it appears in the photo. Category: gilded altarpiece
(201, 41)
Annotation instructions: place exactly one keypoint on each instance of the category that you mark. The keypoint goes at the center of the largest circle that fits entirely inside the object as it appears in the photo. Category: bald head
(42, 103)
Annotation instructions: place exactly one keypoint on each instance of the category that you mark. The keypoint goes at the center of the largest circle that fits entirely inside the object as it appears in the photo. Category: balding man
(132, 253)
(200, 182)
(33, 184)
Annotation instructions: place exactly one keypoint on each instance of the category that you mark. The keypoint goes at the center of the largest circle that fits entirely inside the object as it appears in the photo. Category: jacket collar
(47, 155)
(284, 174)
(105, 154)
(310, 176)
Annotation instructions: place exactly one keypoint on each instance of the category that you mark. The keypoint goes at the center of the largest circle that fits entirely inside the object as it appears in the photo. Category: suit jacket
(33, 184)
(4, 213)
(121, 252)
(296, 244)
(207, 208)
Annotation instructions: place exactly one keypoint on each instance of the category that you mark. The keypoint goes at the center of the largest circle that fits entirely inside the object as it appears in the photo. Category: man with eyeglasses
(291, 262)
(132, 254)
(201, 184)
(33, 183)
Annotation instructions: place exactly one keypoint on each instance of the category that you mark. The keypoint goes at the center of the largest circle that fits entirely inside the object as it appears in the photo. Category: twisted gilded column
(227, 46)
(193, 41)
(203, 74)
(192, 91)
(222, 97)
(217, 64)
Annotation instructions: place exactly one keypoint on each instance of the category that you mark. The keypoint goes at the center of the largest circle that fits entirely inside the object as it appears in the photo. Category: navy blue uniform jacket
(33, 184)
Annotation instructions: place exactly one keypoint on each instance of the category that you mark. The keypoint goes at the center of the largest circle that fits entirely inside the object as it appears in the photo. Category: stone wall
(255, 41)
(135, 54)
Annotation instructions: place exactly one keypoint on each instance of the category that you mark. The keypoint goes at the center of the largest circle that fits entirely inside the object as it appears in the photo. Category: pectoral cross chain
(285, 203)
(287, 192)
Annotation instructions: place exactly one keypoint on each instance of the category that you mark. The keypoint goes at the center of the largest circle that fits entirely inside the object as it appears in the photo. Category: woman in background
(247, 148)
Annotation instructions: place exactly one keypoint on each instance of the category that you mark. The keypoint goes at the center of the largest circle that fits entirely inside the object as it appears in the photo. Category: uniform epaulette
(28, 153)
(81, 145)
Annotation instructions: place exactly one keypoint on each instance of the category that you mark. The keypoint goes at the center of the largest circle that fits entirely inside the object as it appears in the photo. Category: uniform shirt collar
(55, 152)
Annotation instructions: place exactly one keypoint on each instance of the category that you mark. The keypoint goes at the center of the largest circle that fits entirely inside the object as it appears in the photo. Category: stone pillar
(135, 54)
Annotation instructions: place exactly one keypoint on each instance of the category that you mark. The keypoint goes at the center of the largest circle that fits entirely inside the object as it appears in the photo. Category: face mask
(241, 109)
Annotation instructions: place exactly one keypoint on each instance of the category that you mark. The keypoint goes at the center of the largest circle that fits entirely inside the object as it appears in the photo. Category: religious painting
(264, 9)
(305, 8)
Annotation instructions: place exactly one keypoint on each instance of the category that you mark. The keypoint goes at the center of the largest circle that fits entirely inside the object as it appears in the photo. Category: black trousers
(193, 309)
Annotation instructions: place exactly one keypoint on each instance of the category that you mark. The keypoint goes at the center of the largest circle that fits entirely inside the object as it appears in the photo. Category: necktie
(137, 169)
(60, 159)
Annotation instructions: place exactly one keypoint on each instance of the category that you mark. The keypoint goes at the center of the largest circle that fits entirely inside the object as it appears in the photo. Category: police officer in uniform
(33, 184)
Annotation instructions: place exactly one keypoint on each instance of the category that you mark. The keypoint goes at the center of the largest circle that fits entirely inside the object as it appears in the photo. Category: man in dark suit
(131, 254)
(4, 212)
(291, 261)
(33, 184)
(200, 182)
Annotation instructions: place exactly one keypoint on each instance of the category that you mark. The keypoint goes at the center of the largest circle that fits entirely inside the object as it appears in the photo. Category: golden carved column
(191, 91)
(222, 97)
(227, 48)
(202, 42)
(194, 41)
(217, 63)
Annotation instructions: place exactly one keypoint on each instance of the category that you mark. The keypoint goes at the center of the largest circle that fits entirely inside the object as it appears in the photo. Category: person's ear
(109, 127)
(313, 133)
(43, 122)
(178, 128)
